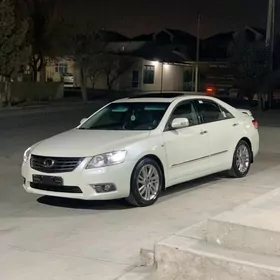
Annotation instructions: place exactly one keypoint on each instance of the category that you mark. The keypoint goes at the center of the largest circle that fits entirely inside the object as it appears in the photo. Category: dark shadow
(84, 204)
(187, 186)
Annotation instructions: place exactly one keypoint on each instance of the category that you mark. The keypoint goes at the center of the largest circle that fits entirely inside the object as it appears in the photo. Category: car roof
(164, 97)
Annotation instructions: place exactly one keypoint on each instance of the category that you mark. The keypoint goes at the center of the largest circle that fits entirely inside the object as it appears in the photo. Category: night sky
(134, 17)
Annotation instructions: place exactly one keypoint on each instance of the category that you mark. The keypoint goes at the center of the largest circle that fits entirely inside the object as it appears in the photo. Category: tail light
(255, 124)
(210, 91)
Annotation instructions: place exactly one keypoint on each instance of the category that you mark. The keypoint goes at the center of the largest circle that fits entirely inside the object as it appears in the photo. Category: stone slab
(139, 273)
(253, 227)
(182, 258)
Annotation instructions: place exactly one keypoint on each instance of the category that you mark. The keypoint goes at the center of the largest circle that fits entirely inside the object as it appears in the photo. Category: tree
(43, 21)
(250, 64)
(95, 69)
(114, 66)
(14, 50)
(85, 45)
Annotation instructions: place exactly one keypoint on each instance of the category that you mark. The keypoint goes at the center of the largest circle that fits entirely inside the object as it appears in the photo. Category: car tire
(145, 190)
(242, 159)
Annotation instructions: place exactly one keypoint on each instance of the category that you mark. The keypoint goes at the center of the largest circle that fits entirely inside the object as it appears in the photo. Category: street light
(197, 52)
(161, 78)
(270, 34)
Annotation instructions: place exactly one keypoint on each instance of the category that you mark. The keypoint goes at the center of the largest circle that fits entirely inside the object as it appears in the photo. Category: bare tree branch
(14, 50)
(85, 45)
(114, 66)
(249, 61)
(43, 19)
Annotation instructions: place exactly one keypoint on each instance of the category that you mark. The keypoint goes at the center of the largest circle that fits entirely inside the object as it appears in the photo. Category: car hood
(86, 143)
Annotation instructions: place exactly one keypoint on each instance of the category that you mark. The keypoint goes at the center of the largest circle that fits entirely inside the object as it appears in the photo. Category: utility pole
(270, 28)
(161, 77)
(197, 52)
(270, 37)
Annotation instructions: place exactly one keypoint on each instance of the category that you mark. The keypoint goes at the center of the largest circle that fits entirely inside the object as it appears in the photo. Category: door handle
(203, 132)
(235, 124)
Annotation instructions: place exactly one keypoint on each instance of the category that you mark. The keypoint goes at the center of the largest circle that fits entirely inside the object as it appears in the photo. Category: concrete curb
(147, 257)
(48, 108)
(44, 105)
(243, 243)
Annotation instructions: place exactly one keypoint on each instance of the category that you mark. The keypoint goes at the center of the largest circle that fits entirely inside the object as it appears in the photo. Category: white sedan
(135, 148)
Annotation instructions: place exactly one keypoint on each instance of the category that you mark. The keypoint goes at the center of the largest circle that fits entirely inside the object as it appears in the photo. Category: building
(161, 62)
(216, 50)
(164, 60)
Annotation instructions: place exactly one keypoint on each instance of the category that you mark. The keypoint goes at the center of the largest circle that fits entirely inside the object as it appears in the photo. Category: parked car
(135, 148)
(68, 80)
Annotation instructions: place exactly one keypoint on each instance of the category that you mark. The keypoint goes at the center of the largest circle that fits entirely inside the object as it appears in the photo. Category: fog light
(104, 188)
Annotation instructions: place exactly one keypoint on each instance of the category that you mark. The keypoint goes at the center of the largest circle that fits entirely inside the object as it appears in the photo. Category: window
(135, 79)
(61, 68)
(149, 74)
(226, 113)
(210, 111)
(128, 116)
(185, 110)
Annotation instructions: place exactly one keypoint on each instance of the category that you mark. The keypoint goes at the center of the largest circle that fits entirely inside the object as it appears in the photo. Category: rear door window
(209, 111)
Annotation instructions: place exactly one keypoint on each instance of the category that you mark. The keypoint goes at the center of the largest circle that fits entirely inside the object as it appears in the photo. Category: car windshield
(127, 116)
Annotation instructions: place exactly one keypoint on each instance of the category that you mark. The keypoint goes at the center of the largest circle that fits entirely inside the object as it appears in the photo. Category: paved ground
(46, 238)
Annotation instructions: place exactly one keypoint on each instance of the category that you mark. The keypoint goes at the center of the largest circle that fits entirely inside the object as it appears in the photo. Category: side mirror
(83, 121)
(180, 123)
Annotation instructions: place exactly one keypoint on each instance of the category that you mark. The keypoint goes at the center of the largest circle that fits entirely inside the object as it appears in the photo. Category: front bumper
(86, 180)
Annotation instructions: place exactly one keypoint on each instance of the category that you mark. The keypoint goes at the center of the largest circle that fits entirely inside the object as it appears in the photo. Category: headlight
(107, 159)
(26, 155)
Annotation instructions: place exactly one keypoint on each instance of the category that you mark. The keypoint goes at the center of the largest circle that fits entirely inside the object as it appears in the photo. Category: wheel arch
(247, 140)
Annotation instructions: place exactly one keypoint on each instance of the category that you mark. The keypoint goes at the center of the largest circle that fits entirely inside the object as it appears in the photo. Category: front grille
(52, 188)
(54, 164)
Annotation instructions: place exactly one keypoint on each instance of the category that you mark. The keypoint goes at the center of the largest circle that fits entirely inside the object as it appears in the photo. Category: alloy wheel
(148, 182)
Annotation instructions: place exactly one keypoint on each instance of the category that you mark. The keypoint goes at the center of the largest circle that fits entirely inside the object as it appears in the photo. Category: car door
(187, 149)
(220, 126)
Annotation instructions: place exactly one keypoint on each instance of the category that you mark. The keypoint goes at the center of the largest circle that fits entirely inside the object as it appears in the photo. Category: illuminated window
(149, 74)
(61, 68)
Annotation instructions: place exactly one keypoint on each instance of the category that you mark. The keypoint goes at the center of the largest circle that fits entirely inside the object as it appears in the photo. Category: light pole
(197, 52)
(270, 30)
(161, 78)
(270, 34)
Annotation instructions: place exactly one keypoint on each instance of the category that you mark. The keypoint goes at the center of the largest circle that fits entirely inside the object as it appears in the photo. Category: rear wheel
(242, 159)
(146, 183)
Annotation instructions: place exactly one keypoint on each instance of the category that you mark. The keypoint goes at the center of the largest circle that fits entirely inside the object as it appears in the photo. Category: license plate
(48, 180)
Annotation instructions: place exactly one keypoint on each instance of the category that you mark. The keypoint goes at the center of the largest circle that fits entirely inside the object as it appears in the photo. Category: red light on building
(210, 90)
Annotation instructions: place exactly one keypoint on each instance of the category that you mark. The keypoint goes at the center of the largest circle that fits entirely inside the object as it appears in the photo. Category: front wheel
(242, 159)
(146, 183)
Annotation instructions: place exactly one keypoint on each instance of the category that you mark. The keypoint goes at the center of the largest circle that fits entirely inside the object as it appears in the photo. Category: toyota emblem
(49, 163)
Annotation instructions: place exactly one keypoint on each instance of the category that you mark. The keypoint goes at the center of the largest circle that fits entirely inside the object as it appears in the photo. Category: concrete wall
(40, 91)
(172, 76)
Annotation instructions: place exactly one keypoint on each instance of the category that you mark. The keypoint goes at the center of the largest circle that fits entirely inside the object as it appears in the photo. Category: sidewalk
(269, 118)
(48, 107)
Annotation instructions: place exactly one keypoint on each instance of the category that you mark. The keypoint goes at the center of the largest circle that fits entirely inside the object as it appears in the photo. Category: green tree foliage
(14, 50)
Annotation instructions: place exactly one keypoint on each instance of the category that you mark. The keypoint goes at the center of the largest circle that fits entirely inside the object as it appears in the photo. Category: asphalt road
(48, 238)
